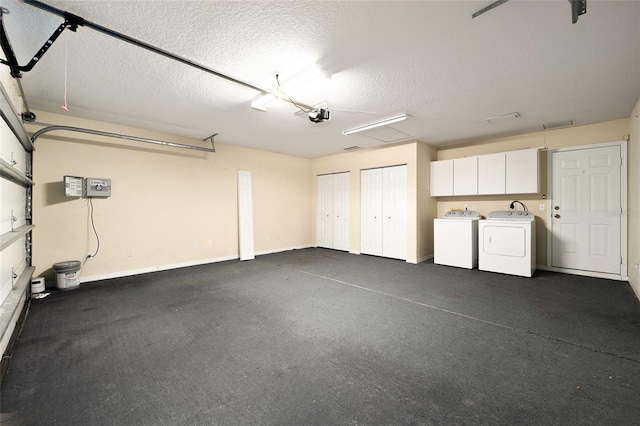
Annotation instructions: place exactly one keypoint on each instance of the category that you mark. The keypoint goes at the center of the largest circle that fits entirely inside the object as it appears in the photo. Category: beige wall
(416, 155)
(427, 207)
(634, 199)
(609, 131)
(169, 206)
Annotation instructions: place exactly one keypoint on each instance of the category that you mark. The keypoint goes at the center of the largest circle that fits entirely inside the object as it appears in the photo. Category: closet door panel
(341, 222)
(325, 212)
(371, 211)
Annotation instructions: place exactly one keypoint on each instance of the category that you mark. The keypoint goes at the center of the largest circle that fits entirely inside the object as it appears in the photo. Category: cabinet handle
(557, 216)
(556, 208)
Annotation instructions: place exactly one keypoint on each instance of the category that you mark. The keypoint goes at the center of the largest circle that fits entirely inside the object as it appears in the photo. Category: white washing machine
(507, 243)
(455, 239)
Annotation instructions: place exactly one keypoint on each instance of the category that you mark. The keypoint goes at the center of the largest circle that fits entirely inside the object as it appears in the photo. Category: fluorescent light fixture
(375, 124)
(304, 77)
(503, 117)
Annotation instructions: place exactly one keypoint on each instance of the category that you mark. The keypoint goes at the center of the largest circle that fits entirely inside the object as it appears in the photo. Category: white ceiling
(429, 59)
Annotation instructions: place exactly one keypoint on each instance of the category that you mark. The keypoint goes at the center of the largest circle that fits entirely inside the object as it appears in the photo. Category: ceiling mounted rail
(73, 21)
(48, 129)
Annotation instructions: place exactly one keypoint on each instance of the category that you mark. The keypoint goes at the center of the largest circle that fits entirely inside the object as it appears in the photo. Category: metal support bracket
(213, 146)
(71, 22)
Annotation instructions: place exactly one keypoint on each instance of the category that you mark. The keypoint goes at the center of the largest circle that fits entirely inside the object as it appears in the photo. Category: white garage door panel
(10, 149)
(13, 262)
(504, 241)
(13, 198)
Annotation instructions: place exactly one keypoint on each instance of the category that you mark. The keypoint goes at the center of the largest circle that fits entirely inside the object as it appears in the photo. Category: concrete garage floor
(319, 337)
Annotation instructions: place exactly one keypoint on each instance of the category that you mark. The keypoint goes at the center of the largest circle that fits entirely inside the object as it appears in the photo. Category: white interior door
(394, 206)
(586, 209)
(371, 212)
(341, 194)
(245, 215)
(324, 233)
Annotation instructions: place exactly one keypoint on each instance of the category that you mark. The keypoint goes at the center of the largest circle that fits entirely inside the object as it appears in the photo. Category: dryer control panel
(462, 214)
(511, 215)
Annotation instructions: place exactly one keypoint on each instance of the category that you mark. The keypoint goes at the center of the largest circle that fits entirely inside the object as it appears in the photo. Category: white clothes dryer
(455, 239)
(507, 243)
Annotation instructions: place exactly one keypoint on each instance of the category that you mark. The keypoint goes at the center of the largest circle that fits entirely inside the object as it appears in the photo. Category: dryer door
(504, 240)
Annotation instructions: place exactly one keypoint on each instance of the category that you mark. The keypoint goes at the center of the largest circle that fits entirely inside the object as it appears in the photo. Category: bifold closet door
(371, 211)
(341, 193)
(383, 206)
(394, 209)
(333, 211)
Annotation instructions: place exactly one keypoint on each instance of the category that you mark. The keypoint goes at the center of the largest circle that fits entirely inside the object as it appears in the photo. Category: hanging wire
(64, 106)
(93, 225)
(285, 93)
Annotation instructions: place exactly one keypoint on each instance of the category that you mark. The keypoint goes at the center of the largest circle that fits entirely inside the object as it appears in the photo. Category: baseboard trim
(420, 260)
(635, 287)
(280, 250)
(130, 272)
(592, 274)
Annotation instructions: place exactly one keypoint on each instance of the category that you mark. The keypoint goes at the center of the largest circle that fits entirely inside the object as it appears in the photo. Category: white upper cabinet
(441, 178)
(522, 175)
(511, 172)
(465, 176)
(491, 174)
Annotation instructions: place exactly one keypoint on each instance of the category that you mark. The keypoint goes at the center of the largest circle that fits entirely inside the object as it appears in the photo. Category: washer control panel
(462, 214)
(511, 215)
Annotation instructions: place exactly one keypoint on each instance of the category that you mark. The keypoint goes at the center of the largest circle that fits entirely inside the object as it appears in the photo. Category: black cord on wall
(93, 225)
(512, 206)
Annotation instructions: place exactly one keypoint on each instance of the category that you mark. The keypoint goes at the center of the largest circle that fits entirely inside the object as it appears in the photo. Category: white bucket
(37, 285)
(67, 274)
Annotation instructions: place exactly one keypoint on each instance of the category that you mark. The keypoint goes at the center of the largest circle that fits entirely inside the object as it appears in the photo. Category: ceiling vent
(558, 124)
(387, 135)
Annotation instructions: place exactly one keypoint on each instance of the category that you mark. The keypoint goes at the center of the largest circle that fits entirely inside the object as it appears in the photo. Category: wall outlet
(466, 206)
(196, 246)
(473, 207)
(541, 206)
(130, 253)
(89, 257)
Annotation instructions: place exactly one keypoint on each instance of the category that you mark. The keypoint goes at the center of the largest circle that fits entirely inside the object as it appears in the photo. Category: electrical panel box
(97, 187)
(73, 186)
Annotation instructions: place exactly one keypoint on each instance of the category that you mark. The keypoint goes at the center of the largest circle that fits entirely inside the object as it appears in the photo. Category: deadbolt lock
(557, 216)
(556, 208)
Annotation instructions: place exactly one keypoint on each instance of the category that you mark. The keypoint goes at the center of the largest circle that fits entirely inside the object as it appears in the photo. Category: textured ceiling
(428, 59)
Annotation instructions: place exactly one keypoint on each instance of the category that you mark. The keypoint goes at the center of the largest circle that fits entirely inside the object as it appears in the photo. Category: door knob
(556, 208)
(557, 216)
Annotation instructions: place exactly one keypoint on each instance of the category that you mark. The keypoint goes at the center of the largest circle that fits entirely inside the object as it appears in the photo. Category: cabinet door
(465, 176)
(341, 193)
(371, 212)
(522, 172)
(491, 174)
(325, 211)
(441, 178)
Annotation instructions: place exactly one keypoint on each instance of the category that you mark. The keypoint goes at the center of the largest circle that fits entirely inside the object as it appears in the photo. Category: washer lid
(511, 215)
(462, 214)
